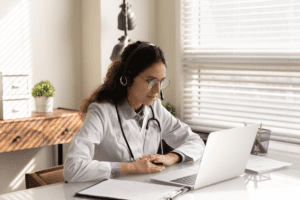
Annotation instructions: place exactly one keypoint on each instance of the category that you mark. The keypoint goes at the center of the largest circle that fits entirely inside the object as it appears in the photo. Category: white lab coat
(101, 136)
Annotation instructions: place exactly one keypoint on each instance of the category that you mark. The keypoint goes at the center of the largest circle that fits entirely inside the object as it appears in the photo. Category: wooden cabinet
(38, 130)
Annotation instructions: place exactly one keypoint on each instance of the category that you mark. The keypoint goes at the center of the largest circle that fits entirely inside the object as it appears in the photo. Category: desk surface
(280, 184)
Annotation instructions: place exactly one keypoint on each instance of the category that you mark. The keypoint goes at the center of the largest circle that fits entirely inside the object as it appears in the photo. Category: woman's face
(138, 92)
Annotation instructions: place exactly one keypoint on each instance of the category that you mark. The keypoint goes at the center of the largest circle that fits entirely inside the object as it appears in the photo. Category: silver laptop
(225, 157)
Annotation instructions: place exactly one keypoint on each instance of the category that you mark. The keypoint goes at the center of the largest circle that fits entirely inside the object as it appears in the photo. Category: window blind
(240, 62)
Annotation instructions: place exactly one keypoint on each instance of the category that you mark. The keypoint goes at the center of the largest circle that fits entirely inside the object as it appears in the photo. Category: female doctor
(124, 122)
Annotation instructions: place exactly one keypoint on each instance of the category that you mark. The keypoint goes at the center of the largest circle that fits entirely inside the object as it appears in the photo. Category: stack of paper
(262, 164)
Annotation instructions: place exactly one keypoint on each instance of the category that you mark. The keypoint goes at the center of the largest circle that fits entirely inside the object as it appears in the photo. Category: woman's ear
(130, 81)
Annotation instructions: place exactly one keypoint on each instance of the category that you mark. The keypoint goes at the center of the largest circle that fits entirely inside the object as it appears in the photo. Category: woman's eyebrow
(152, 77)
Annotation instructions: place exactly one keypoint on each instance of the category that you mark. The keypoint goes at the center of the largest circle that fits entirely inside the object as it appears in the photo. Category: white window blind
(241, 63)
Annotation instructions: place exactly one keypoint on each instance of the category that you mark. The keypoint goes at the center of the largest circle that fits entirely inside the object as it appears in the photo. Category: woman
(117, 125)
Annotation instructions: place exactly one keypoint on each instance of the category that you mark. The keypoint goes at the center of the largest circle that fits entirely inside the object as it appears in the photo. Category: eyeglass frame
(155, 79)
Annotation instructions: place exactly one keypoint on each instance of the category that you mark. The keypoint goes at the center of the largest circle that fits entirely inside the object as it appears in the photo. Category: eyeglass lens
(163, 84)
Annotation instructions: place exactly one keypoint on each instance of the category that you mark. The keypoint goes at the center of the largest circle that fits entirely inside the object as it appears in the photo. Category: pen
(178, 192)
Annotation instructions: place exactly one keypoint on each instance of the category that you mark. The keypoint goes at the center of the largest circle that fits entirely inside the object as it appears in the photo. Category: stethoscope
(147, 126)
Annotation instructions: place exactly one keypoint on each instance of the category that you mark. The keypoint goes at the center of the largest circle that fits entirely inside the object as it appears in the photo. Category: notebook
(225, 157)
(132, 190)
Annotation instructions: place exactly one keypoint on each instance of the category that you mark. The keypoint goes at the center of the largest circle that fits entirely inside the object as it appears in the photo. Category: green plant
(43, 88)
(170, 108)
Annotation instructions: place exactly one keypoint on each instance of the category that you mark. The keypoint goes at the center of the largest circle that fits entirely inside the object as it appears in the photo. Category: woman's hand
(143, 166)
(168, 159)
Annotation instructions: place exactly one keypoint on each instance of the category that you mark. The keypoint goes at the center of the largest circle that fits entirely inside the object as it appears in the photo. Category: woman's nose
(156, 87)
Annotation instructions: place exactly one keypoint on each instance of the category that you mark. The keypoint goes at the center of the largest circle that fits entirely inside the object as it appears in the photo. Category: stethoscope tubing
(147, 126)
(124, 133)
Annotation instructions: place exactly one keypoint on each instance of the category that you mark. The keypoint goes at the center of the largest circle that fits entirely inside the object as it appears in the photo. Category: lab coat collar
(129, 113)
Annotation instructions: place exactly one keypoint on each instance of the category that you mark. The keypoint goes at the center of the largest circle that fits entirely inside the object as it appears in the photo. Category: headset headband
(138, 48)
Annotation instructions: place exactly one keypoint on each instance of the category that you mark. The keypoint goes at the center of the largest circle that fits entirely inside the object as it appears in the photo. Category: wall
(91, 51)
(167, 38)
(45, 37)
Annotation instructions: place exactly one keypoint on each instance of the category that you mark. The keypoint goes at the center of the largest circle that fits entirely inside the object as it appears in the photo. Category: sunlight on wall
(16, 59)
(15, 51)
(20, 177)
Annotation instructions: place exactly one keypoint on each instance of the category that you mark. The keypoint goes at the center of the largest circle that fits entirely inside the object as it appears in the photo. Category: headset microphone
(161, 95)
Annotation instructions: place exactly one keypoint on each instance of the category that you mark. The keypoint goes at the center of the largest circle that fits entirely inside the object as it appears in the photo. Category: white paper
(262, 164)
(132, 190)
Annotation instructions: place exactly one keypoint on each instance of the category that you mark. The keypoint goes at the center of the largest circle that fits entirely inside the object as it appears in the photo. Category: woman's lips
(152, 97)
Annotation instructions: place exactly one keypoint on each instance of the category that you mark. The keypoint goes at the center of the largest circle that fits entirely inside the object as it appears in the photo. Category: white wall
(91, 51)
(166, 39)
(44, 36)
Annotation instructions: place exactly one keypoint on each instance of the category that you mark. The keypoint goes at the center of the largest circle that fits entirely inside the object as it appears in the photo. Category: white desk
(281, 184)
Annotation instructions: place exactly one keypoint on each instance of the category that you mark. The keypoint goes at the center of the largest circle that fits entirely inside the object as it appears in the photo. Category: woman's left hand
(168, 159)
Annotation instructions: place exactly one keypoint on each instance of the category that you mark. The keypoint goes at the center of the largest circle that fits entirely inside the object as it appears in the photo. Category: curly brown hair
(135, 58)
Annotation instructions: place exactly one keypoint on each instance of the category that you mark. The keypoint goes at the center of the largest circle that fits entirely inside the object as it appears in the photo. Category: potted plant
(170, 108)
(43, 93)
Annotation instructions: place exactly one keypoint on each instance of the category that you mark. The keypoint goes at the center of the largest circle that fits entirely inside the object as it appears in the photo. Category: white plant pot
(44, 104)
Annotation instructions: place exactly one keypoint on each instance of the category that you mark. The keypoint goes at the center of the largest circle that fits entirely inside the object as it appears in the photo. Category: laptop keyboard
(187, 180)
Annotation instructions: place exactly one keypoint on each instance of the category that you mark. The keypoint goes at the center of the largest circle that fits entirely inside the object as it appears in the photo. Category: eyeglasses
(163, 83)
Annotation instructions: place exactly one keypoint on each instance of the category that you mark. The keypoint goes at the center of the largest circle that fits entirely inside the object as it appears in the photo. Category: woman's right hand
(143, 166)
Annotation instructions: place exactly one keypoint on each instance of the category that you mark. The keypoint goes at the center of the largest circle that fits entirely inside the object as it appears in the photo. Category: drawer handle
(18, 137)
(16, 84)
(16, 109)
(66, 130)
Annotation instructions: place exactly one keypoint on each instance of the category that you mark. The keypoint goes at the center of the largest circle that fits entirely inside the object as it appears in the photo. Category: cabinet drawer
(71, 129)
(61, 130)
(12, 109)
(21, 135)
(31, 133)
(14, 85)
(7, 138)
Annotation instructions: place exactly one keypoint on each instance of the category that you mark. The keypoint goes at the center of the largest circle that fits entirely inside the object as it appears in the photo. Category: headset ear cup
(129, 81)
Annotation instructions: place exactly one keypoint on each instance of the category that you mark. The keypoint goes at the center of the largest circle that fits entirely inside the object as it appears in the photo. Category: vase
(44, 104)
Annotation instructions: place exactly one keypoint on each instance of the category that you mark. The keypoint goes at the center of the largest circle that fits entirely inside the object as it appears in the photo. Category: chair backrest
(44, 177)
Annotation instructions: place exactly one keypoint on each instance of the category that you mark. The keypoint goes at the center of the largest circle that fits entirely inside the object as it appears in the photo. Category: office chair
(44, 177)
